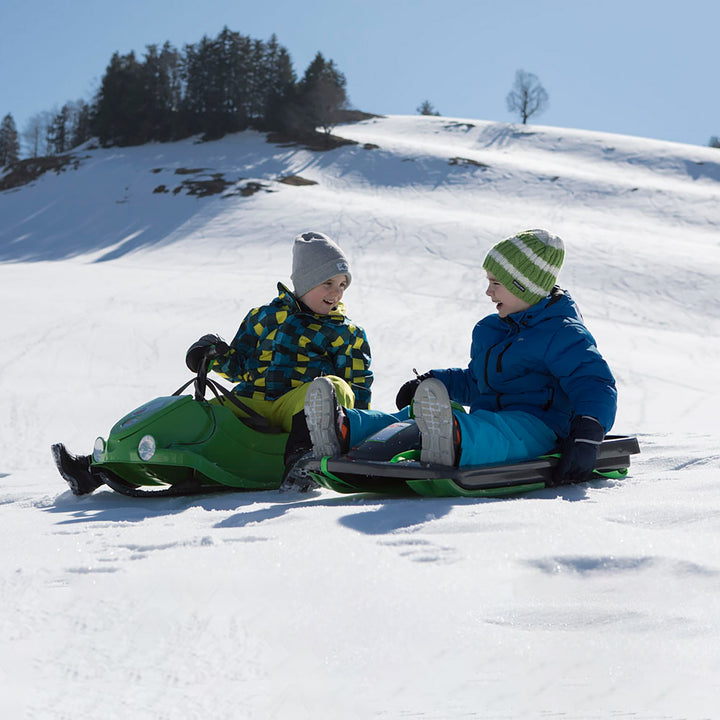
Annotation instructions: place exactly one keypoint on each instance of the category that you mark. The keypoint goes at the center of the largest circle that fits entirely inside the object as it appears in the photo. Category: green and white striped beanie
(527, 264)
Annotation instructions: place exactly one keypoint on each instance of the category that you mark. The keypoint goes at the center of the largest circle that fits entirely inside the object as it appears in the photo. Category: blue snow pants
(487, 437)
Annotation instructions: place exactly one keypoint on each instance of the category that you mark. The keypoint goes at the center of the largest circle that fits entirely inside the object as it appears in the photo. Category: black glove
(208, 346)
(579, 451)
(407, 392)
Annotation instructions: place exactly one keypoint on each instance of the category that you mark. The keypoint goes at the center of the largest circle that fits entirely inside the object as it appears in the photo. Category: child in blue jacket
(535, 379)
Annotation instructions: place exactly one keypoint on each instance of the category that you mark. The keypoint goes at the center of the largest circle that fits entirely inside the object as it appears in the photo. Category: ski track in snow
(600, 601)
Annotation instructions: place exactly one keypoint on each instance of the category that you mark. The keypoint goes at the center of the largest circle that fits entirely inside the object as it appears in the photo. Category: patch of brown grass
(318, 142)
(296, 180)
(464, 162)
(25, 171)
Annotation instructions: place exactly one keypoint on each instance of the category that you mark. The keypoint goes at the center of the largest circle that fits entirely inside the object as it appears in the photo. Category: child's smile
(323, 298)
(505, 302)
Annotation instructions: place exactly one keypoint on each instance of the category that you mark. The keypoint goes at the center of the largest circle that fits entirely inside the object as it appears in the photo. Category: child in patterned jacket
(279, 349)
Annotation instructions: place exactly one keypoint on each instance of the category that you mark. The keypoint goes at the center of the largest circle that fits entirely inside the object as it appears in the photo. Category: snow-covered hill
(598, 601)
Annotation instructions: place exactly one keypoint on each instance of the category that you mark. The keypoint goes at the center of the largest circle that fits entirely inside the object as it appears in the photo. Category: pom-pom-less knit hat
(527, 264)
(316, 258)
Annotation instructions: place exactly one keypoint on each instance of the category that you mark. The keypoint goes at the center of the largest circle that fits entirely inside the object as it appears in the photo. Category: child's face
(505, 302)
(323, 298)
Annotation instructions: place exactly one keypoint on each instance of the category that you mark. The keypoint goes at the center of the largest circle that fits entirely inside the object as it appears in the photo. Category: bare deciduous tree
(527, 97)
(35, 133)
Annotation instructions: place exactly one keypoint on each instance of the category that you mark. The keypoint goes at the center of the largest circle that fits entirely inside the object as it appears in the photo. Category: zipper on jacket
(498, 364)
(487, 363)
(549, 403)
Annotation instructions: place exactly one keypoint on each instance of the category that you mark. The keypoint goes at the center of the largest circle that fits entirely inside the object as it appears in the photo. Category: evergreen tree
(80, 123)
(162, 93)
(203, 103)
(321, 97)
(213, 87)
(257, 79)
(280, 83)
(217, 73)
(426, 108)
(193, 101)
(58, 132)
(236, 61)
(9, 141)
(120, 102)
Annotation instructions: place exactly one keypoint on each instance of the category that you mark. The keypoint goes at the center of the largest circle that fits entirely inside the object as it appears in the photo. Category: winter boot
(439, 430)
(76, 470)
(298, 446)
(326, 421)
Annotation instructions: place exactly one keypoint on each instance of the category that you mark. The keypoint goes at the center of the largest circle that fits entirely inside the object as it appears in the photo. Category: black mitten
(407, 392)
(579, 451)
(208, 346)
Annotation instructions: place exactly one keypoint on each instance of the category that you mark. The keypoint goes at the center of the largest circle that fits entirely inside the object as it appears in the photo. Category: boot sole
(320, 416)
(78, 486)
(434, 416)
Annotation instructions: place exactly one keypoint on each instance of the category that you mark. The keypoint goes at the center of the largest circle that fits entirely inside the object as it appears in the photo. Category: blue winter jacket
(542, 361)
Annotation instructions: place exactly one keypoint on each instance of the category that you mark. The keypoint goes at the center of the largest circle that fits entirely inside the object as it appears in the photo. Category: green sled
(184, 445)
(381, 465)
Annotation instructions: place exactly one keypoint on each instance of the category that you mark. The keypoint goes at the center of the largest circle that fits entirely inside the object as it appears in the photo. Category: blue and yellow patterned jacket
(284, 344)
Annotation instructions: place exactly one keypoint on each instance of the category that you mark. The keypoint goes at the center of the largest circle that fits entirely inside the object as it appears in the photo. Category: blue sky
(637, 67)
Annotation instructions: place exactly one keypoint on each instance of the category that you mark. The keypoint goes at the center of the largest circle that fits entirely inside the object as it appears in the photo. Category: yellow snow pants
(281, 410)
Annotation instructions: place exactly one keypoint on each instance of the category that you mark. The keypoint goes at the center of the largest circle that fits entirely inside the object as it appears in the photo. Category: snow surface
(601, 601)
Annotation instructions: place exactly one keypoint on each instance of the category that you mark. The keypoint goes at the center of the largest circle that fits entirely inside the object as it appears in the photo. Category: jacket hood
(557, 304)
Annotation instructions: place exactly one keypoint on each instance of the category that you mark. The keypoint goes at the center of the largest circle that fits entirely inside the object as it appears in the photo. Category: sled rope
(254, 420)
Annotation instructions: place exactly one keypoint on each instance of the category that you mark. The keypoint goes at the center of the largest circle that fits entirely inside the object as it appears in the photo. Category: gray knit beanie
(316, 258)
